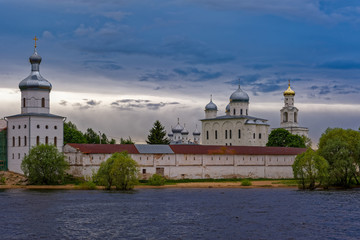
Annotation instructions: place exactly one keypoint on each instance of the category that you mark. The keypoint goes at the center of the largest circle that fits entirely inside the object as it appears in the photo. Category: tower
(34, 125)
(289, 114)
(210, 109)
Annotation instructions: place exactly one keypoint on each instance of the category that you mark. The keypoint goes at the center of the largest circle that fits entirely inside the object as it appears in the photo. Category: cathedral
(35, 124)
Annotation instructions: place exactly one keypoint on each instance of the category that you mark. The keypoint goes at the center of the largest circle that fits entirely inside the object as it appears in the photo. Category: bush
(90, 185)
(246, 182)
(119, 170)
(156, 180)
(45, 165)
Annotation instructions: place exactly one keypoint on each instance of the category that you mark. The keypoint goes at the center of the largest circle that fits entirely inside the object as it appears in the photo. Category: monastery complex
(231, 145)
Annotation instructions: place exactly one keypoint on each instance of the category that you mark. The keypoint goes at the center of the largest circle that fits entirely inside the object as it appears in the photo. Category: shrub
(90, 185)
(246, 182)
(156, 180)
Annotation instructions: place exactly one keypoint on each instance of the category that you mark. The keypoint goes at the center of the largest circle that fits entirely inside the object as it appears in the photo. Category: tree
(126, 141)
(45, 165)
(72, 134)
(282, 138)
(157, 134)
(119, 170)
(311, 170)
(341, 148)
(91, 136)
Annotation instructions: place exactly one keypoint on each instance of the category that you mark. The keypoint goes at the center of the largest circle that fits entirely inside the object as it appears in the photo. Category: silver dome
(184, 132)
(196, 132)
(35, 80)
(239, 96)
(211, 106)
(227, 109)
(178, 128)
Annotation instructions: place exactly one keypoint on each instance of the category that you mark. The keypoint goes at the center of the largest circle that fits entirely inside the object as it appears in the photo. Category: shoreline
(271, 184)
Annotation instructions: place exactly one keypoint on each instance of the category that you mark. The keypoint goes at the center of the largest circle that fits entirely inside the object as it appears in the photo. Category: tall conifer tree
(157, 134)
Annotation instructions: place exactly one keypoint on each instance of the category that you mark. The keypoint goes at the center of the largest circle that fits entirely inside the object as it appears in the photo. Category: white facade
(289, 115)
(35, 125)
(236, 128)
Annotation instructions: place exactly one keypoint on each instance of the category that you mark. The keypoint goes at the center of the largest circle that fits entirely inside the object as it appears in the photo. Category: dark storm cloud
(340, 64)
(194, 74)
(87, 104)
(334, 89)
(132, 104)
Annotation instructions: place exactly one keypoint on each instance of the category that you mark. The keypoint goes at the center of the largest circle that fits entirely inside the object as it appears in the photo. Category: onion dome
(184, 131)
(227, 109)
(239, 96)
(196, 132)
(211, 106)
(35, 80)
(178, 128)
(289, 91)
(170, 135)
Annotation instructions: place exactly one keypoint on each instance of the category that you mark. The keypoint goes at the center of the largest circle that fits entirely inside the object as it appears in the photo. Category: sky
(117, 66)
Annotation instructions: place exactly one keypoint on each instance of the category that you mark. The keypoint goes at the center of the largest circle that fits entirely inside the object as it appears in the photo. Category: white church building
(34, 125)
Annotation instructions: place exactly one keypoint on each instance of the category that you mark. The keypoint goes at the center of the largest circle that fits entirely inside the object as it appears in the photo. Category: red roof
(235, 150)
(190, 149)
(104, 148)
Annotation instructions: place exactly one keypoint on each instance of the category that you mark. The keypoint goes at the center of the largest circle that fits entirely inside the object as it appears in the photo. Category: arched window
(25, 141)
(295, 116)
(43, 102)
(24, 102)
(55, 141)
(207, 135)
(285, 117)
(38, 140)
(46, 140)
(230, 134)
(234, 111)
(225, 134)
(254, 135)
(239, 134)
(259, 135)
(240, 111)
(19, 141)
(246, 112)
(215, 134)
(13, 141)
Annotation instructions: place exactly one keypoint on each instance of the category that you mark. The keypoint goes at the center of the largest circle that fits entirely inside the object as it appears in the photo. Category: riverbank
(255, 184)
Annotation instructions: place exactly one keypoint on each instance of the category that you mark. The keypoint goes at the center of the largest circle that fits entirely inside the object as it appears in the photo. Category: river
(180, 214)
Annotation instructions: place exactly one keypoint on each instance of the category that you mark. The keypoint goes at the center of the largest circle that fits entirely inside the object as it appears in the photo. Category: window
(47, 127)
(25, 141)
(246, 112)
(55, 127)
(234, 111)
(24, 102)
(230, 145)
(55, 141)
(19, 141)
(13, 141)
(46, 140)
(207, 135)
(254, 135)
(285, 117)
(38, 126)
(14, 127)
(25, 126)
(43, 102)
(19, 127)
(230, 134)
(225, 134)
(144, 171)
(37, 140)
(259, 135)
(295, 116)
(215, 134)
(13, 156)
(239, 133)
(18, 155)
(240, 111)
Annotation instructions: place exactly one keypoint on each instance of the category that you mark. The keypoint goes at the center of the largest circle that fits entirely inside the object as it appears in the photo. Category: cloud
(102, 65)
(334, 89)
(340, 64)
(131, 104)
(259, 66)
(63, 103)
(47, 35)
(115, 15)
(197, 75)
(158, 75)
(87, 104)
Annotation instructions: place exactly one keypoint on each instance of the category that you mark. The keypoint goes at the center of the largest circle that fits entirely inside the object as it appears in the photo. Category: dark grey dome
(35, 80)
(177, 129)
(239, 96)
(196, 132)
(211, 106)
(227, 109)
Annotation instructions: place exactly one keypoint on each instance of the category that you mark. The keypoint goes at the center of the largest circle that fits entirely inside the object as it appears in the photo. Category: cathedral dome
(178, 128)
(227, 109)
(289, 91)
(184, 132)
(239, 96)
(35, 80)
(196, 132)
(211, 106)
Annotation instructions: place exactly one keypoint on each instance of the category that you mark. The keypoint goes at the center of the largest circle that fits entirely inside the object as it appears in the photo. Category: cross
(35, 39)
(289, 82)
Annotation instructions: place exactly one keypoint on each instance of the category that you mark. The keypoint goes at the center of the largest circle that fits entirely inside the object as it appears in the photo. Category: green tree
(112, 141)
(119, 170)
(44, 165)
(157, 134)
(126, 141)
(72, 134)
(91, 136)
(104, 139)
(282, 138)
(311, 170)
(341, 148)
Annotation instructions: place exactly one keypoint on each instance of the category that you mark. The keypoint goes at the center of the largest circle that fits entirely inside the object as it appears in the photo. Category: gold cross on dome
(35, 39)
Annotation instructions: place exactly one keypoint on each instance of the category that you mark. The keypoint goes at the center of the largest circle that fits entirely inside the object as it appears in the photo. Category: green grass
(246, 182)
(87, 185)
(287, 182)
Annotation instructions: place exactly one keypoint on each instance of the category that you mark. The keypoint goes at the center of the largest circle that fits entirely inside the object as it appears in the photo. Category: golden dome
(289, 91)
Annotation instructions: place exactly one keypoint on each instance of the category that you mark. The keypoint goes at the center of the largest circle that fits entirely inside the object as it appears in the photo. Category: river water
(180, 214)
